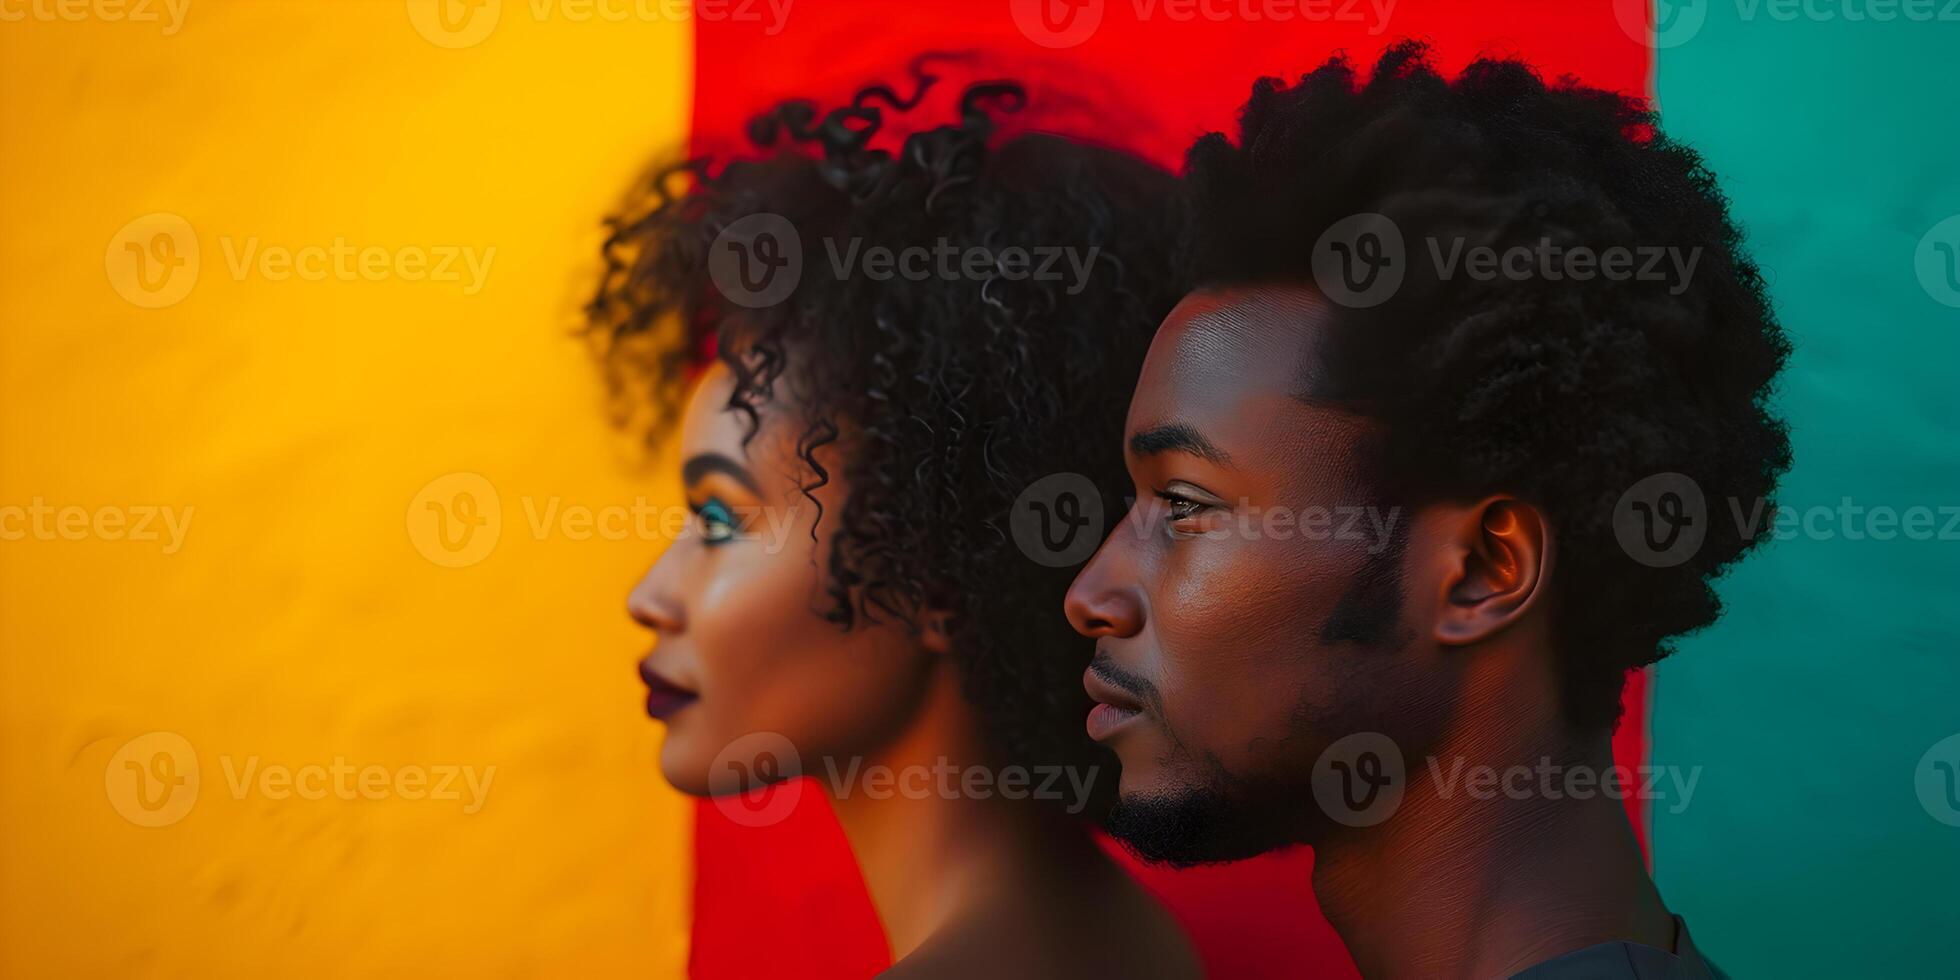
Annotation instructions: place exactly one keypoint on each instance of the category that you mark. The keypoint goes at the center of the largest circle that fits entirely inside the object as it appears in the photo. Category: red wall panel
(786, 900)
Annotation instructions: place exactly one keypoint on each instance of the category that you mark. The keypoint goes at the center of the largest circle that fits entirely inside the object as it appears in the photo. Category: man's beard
(1218, 818)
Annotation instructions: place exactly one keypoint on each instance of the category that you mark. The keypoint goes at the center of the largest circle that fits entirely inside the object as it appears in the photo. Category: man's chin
(1200, 826)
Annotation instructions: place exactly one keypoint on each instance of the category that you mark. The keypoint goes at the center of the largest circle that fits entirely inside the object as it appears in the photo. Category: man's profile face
(1250, 608)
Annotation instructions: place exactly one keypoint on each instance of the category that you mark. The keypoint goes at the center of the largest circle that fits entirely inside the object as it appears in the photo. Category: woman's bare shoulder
(1104, 926)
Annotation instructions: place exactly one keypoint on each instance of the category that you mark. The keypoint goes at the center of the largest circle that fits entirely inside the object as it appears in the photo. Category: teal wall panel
(1814, 843)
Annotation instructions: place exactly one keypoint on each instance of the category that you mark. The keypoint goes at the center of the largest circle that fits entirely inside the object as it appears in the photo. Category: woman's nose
(653, 606)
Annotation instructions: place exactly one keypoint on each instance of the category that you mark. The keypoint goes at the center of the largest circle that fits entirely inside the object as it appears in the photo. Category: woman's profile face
(737, 606)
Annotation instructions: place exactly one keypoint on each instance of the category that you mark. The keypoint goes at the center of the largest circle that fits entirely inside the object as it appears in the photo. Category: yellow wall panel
(297, 422)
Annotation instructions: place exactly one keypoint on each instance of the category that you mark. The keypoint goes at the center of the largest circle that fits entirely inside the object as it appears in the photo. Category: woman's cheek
(752, 629)
(718, 637)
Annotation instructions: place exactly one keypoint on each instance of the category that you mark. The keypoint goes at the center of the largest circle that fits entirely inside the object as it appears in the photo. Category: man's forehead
(1235, 369)
(1222, 346)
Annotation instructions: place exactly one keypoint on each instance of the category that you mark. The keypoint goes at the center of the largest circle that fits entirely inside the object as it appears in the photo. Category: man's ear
(1500, 551)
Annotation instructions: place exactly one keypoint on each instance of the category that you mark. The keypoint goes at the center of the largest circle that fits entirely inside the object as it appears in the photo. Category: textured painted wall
(296, 423)
(1807, 850)
(295, 414)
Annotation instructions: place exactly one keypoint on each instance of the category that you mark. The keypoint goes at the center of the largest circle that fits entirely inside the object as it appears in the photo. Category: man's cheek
(1230, 719)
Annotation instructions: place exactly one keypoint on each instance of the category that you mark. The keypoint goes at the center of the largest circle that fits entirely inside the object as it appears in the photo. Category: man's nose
(1103, 601)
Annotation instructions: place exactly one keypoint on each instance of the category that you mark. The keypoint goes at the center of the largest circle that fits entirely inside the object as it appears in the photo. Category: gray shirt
(1629, 961)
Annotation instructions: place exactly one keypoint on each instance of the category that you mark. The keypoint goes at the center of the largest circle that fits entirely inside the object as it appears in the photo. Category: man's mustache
(1104, 667)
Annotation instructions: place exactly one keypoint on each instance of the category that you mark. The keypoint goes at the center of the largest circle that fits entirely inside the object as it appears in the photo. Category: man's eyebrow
(1177, 438)
(697, 468)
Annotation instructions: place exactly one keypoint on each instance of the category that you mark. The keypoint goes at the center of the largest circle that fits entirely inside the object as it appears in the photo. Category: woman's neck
(929, 849)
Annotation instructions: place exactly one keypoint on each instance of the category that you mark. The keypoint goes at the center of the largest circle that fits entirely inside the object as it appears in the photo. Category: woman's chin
(682, 768)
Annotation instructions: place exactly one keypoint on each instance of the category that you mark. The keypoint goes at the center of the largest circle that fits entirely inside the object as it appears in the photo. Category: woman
(959, 320)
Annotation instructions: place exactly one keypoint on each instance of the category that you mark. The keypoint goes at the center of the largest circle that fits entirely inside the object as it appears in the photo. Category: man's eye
(1181, 508)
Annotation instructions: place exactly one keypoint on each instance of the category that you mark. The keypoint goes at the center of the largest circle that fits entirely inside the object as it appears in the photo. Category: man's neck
(1454, 885)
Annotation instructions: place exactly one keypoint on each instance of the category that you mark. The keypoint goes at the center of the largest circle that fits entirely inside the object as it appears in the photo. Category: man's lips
(1105, 719)
(1114, 708)
(664, 697)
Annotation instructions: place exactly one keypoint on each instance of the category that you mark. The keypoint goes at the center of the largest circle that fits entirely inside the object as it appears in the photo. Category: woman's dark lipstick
(664, 698)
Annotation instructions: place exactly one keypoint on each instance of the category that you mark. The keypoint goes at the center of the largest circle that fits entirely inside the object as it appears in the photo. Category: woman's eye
(718, 524)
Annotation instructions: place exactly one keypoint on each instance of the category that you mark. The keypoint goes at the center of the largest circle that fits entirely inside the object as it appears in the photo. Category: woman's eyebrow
(698, 467)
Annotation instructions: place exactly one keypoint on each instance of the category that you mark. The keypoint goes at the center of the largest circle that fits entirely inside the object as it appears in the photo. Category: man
(1428, 466)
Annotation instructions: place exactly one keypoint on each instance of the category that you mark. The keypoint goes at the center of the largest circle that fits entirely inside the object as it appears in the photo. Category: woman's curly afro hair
(1563, 393)
(945, 396)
